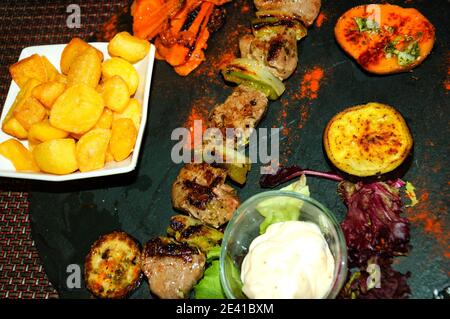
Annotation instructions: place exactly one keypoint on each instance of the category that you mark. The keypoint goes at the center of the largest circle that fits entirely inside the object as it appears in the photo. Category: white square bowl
(53, 53)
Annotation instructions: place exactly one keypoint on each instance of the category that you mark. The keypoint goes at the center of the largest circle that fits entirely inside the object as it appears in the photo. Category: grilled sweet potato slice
(385, 38)
(368, 139)
(112, 267)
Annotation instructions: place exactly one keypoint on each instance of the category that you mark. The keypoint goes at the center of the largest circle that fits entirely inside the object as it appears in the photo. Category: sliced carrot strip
(149, 16)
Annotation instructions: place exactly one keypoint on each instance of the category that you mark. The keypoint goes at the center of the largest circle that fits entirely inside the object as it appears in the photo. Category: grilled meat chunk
(189, 230)
(305, 10)
(278, 53)
(243, 110)
(172, 268)
(200, 190)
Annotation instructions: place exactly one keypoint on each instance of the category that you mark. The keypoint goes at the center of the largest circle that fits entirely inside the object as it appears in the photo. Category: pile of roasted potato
(78, 119)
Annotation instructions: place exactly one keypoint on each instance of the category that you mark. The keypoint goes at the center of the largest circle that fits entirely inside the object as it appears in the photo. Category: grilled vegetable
(189, 230)
(254, 74)
(149, 16)
(270, 25)
(368, 139)
(112, 267)
(385, 38)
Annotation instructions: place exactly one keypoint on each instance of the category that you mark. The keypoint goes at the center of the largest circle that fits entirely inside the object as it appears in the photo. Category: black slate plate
(67, 217)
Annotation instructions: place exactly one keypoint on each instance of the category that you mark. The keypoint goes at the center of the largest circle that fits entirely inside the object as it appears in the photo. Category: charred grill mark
(191, 230)
(198, 195)
(164, 247)
(190, 18)
(274, 48)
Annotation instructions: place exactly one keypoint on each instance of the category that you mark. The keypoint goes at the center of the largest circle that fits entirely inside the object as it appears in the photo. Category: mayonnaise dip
(291, 260)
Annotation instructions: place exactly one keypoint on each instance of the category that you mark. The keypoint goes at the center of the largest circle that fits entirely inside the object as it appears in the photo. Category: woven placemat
(23, 24)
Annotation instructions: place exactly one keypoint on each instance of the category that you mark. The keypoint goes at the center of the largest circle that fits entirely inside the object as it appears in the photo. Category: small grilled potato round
(367, 140)
(112, 267)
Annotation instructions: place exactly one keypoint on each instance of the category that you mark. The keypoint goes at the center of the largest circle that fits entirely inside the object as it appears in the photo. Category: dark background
(67, 217)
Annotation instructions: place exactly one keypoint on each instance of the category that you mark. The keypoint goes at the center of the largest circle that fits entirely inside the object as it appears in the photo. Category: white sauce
(291, 260)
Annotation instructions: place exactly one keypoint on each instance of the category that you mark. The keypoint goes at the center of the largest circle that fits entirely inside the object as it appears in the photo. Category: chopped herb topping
(367, 25)
(406, 56)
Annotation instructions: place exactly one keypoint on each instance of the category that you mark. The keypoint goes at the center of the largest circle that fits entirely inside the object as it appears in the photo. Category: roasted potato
(123, 68)
(115, 93)
(91, 149)
(72, 50)
(19, 155)
(56, 156)
(32, 67)
(128, 47)
(123, 138)
(48, 92)
(85, 69)
(112, 268)
(29, 112)
(10, 124)
(105, 121)
(385, 38)
(77, 110)
(44, 131)
(367, 140)
(133, 111)
(52, 72)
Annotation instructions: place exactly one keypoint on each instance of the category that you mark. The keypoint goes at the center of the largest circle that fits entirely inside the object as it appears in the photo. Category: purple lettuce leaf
(373, 225)
(392, 284)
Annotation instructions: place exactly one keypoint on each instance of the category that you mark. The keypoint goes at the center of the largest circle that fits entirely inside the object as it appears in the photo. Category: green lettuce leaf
(276, 211)
(209, 287)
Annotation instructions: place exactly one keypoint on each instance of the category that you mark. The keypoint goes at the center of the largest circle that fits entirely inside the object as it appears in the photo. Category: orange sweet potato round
(385, 38)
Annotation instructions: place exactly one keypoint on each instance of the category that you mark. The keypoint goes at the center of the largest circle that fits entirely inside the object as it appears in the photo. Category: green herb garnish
(408, 55)
(367, 25)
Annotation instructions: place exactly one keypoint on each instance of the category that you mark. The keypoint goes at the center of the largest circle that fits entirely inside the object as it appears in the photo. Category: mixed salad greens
(374, 231)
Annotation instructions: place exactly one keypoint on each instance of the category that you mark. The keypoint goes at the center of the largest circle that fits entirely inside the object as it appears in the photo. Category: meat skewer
(268, 56)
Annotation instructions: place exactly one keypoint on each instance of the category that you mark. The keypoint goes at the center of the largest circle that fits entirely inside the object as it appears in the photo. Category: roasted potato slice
(123, 138)
(115, 93)
(133, 111)
(91, 149)
(19, 155)
(56, 156)
(112, 267)
(48, 92)
(32, 67)
(85, 69)
(73, 49)
(123, 68)
(366, 140)
(44, 131)
(77, 110)
(128, 47)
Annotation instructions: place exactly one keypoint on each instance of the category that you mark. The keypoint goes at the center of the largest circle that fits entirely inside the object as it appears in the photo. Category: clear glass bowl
(244, 227)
